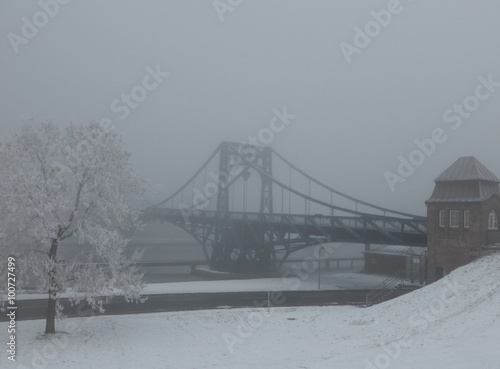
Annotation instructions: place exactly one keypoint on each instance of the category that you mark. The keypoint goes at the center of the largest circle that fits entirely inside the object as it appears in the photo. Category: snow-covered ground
(451, 324)
(330, 280)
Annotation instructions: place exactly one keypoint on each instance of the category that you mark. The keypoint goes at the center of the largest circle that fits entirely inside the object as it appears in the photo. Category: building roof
(467, 191)
(466, 180)
(467, 168)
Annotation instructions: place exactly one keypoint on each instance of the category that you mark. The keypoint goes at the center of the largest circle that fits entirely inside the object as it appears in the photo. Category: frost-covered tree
(73, 182)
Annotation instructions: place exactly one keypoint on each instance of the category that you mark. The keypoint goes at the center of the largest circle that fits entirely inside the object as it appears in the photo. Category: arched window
(492, 220)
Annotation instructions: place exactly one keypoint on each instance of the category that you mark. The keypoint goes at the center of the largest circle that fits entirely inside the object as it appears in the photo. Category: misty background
(225, 78)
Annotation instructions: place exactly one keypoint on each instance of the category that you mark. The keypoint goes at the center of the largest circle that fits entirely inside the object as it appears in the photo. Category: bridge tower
(243, 246)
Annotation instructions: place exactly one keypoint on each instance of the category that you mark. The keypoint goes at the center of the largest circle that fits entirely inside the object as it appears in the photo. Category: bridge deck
(376, 229)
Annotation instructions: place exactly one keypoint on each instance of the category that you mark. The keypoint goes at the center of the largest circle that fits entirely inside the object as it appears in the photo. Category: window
(441, 218)
(466, 218)
(492, 220)
(454, 218)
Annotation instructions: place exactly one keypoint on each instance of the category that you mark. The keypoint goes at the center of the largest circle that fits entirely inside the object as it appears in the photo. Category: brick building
(462, 217)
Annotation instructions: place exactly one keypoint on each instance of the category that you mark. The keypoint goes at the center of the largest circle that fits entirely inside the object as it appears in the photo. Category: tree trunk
(50, 324)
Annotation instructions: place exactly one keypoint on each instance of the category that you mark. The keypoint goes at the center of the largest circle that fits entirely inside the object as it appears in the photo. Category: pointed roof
(467, 168)
(466, 180)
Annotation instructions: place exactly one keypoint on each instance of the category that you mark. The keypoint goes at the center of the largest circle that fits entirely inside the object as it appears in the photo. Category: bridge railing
(372, 222)
(388, 284)
(338, 262)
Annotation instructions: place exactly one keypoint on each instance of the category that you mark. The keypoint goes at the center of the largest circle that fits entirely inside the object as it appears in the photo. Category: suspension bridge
(250, 208)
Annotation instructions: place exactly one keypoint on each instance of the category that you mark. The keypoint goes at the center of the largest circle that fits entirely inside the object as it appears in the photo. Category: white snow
(451, 324)
(330, 280)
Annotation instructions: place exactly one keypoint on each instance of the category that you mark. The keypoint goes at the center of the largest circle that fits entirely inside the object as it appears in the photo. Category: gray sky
(225, 78)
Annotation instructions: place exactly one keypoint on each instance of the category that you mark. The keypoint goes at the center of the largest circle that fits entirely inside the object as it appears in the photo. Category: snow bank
(451, 324)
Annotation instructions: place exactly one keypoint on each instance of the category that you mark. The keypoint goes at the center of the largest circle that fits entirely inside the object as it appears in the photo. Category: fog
(217, 72)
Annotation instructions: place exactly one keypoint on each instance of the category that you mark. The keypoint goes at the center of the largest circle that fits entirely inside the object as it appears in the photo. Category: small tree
(58, 183)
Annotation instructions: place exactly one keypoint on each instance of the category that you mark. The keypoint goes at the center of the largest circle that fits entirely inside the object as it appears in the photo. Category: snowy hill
(451, 324)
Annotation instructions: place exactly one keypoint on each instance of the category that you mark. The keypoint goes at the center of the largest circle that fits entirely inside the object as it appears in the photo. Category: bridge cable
(343, 194)
(290, 194)
(189, 180)
(210, 198)
(350, 211)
